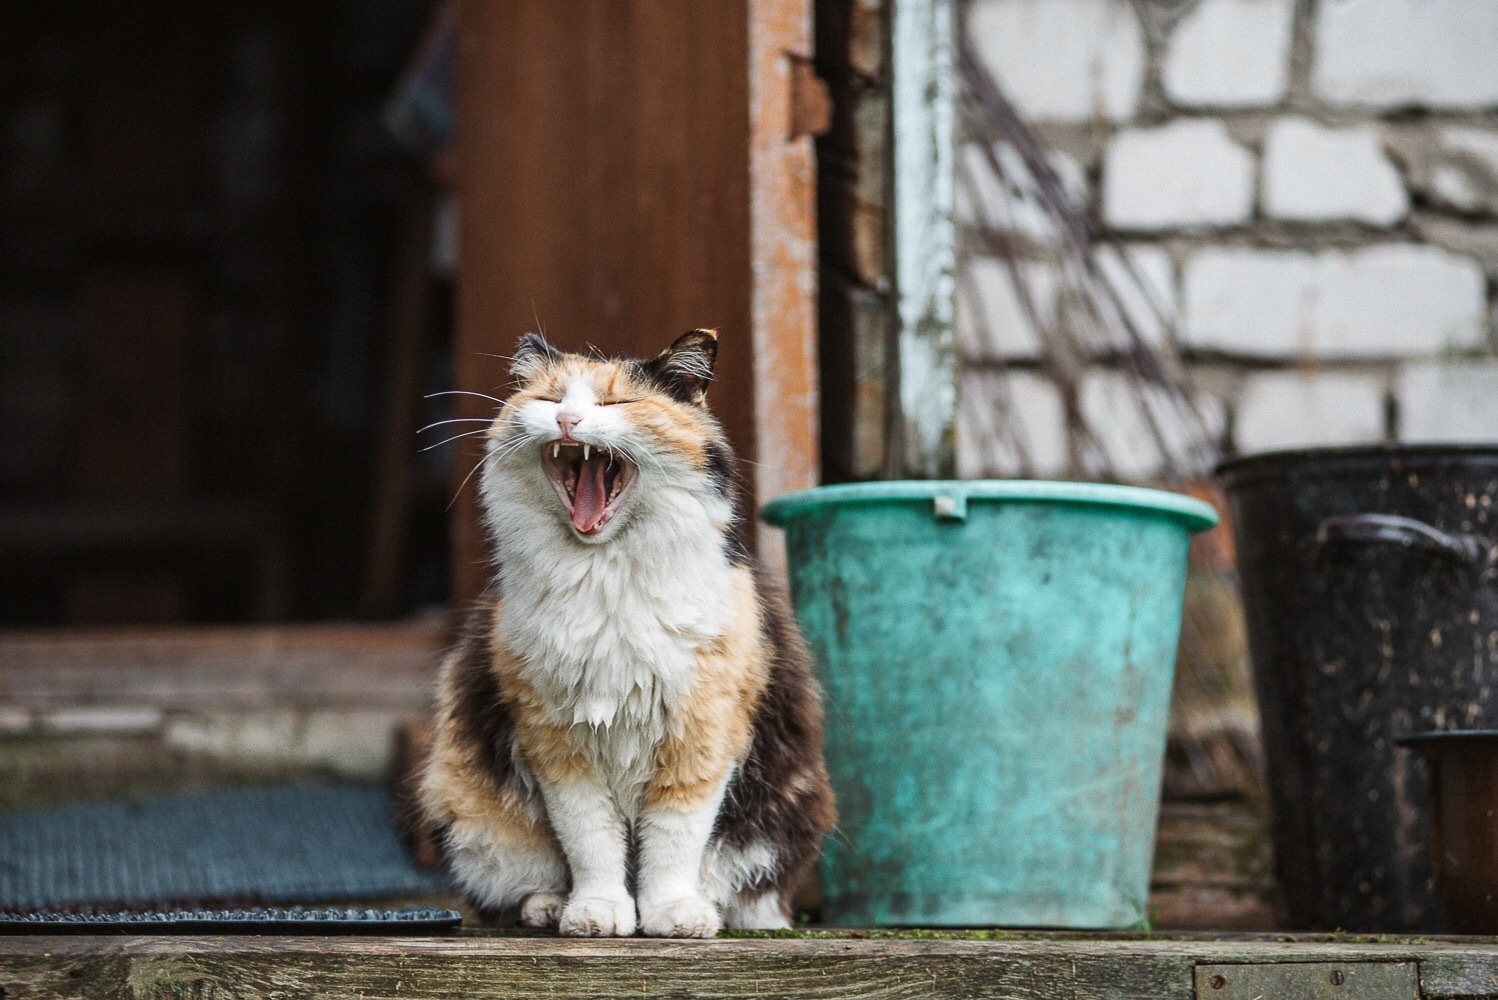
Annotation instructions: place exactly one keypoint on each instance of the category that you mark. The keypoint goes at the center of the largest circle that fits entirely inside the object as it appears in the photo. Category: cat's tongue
(591, 496)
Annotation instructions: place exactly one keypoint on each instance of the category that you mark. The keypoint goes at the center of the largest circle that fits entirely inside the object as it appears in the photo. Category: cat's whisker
(466, 392)
(455, 437)
(461, 486)
(454, 420)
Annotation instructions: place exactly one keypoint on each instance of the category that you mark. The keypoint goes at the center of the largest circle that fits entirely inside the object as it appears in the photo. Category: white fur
(608, 627)
(593, 836)
(672, 842)
(497, 875)
(758, 913)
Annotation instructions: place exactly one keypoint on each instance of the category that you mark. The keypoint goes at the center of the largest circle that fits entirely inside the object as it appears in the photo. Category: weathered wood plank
(223, 667)
(465, 966)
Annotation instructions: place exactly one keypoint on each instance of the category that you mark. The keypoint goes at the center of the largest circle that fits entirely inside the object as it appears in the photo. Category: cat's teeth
(556, 450)
(585, 453)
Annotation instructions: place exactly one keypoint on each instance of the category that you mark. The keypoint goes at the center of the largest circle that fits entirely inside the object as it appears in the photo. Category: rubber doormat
(284, 844)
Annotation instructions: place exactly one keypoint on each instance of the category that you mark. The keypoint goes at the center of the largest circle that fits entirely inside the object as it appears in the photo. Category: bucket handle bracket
(1405, 531)
(949, 506)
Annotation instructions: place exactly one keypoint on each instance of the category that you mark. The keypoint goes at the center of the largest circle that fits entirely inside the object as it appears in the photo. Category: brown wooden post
(628, 170)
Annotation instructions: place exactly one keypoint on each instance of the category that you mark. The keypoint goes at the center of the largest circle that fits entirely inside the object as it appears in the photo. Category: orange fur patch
(711, 729)
(548, 747)
(454, 789)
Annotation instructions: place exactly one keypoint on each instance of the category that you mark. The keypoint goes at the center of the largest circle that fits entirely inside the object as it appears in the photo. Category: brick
(1010, 423)
(1318, 174)
(1302, 410)
(981, 199)
(991, 319)
(1455, 402)
(1187, 174)
(1123, 414)
(1406, 53)
(110, 720)
(1062, 60)
(1469, 239)
(1146, 291)
(1387, 301)
(1464, 170)
(1230, 54)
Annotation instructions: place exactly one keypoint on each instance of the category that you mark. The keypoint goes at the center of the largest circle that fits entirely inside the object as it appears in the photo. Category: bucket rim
(1262, 462)
(1446, 736)
(1195, 515)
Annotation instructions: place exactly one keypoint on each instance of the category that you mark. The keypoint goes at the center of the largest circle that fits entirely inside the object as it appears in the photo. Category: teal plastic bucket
(997, 657)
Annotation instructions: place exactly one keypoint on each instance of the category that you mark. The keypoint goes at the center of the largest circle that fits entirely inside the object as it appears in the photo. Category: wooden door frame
(526, 79)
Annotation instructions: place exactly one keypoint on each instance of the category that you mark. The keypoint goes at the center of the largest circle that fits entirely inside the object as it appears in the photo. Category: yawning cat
(631, 733)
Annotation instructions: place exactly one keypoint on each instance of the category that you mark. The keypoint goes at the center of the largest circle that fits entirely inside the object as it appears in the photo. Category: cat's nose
(567, 421)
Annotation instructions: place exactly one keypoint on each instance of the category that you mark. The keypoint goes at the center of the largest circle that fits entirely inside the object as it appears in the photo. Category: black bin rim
(1448, 736)
(1259, 465)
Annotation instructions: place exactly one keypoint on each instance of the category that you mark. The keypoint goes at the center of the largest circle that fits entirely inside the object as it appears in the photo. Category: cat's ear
(685, 368)
(532, 354)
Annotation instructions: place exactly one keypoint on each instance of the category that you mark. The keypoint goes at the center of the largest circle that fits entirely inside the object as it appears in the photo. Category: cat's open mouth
(591, 482)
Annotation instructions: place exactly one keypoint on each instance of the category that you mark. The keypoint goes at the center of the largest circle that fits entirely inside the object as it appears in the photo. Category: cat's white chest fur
(609, 634)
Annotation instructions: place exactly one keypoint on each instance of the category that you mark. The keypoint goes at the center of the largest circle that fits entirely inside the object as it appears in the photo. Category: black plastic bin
(1371, 591)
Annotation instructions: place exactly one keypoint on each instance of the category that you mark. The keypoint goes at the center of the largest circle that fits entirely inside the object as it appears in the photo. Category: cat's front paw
(598, 916)
(692, 916)
(542, 910)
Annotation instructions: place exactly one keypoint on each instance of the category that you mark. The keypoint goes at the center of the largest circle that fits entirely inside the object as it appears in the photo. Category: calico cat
(630, 735)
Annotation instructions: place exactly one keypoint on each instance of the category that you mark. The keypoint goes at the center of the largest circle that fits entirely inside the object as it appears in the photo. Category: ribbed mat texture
(284, 844)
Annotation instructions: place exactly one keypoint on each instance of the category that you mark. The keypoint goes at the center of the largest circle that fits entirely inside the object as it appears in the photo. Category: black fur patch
(787, 742)
(685, 369)
(721, 468)
(482, 718)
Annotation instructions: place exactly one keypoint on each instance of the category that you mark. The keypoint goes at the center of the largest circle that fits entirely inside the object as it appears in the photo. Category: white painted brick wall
(1230, 54)
(1318, 174)
(1389, 301)
(1147, 294)
(1062, 60)
(1115, 407)
(981, 200)
(991, 319)
(1454, 402)
(1464, 174)
(1303, 409)
(1004, 418)
(1396, 53)
(1188, 174)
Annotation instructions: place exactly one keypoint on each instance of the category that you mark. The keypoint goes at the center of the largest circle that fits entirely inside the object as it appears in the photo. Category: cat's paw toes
(689, 917)
(598, 916)
(542, 910)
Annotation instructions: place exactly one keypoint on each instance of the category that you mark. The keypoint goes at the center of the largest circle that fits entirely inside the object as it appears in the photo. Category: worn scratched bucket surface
(1372, 608)
(997, 658)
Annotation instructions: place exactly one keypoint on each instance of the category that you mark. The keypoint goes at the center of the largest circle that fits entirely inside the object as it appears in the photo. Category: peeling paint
(783, 247)
(924, 239)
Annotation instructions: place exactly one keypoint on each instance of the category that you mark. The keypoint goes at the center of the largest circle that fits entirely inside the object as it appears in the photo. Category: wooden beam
(520, 967)
(783, 256)
(224, 668)
(923, 236)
